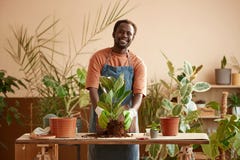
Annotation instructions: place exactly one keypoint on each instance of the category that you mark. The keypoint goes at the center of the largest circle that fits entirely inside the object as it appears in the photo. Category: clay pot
(169, 126)
(236, 79)
(63, 127)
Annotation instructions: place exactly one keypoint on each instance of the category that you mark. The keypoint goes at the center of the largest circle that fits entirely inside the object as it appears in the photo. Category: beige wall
(199, 31)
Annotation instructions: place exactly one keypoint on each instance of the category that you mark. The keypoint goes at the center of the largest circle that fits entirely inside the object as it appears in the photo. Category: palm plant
(37, 53)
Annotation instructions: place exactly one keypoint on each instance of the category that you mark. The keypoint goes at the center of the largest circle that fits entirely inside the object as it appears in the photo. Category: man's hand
(103, 118)
(128, 117)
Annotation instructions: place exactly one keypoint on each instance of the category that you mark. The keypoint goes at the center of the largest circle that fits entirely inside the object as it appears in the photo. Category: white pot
(236, 110)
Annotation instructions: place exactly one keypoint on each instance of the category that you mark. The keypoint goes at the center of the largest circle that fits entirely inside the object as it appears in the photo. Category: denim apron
(115, 152)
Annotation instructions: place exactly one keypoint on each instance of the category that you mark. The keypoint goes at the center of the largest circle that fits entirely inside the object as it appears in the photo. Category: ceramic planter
(154, 133)
(223, 76)
(169, 126)
(63, 127)
(236, 79)
(236, 110)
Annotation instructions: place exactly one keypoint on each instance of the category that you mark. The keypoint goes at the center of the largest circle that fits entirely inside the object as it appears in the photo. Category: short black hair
(125, 21)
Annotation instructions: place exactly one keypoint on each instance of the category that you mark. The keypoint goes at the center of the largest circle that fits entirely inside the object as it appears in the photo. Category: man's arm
(137, 100)
(93, 92)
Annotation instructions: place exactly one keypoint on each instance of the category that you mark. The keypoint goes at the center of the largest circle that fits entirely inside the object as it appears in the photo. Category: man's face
(123, 36)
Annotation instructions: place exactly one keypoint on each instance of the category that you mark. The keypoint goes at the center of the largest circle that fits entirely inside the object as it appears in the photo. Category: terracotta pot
(169, 126)
(63, 127)
(236, 79)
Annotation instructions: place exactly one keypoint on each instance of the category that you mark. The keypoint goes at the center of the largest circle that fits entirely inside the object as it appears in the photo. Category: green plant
(38, 55)
(71, 92)
(174, 102)
(180, 89)
(234, 100)
(235, 63)
(113, 95)
(150, 104)
(226, 137)
(8, 84)
(154, 126)
(223, 62)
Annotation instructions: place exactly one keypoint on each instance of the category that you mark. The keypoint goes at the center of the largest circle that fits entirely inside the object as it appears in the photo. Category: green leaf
(177, 109)
(201, 87)
(187, 68)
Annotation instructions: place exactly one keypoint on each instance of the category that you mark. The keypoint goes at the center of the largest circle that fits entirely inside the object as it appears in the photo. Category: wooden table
(135, 138)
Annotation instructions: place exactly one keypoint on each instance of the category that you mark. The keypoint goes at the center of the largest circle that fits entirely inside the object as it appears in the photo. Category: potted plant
(71, 93)
(177, 103)
(223, 74)
(110, 101)
(154, 130)
(38, 54)
(234, 103)
(200, 103)
(235, 76)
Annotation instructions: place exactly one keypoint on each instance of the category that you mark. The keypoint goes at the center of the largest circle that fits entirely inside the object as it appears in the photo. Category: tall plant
(36, 53)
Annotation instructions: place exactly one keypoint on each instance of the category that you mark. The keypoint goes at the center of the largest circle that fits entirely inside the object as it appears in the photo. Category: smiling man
(112, 62)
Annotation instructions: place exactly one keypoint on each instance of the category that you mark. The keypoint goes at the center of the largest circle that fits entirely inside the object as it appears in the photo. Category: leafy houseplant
(113, 94)
(223, 74)
(234, 102)
(235, 76)
(9, 113)
(150, 104)
(8, 84)
(71, 94)
(38, 53)
(179, 91)
(154, 130)
(175, 103)
(226, 138)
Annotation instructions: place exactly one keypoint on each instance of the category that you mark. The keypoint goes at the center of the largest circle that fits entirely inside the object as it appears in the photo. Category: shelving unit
(214, 94)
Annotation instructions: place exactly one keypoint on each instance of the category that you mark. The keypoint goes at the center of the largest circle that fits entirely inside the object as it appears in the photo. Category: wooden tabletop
(135, 138)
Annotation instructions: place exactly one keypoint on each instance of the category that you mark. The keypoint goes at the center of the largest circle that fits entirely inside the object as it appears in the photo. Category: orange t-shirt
(99, 59)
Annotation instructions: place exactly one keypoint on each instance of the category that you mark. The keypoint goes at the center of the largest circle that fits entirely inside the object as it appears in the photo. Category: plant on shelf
(235, 76)
(234, 103)
(226, 137)
(176, 102)
(113, 94)
(223, 74)
(223, 62)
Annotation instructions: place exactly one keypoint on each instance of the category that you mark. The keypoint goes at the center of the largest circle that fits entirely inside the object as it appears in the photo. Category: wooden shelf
(224, 86)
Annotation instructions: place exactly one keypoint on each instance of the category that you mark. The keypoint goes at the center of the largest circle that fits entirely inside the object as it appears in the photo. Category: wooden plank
(135, 138)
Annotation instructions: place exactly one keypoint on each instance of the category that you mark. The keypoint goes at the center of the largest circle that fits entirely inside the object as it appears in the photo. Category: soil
(115, 128)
